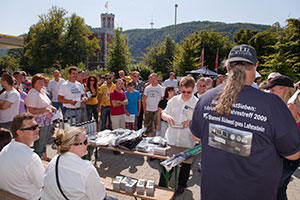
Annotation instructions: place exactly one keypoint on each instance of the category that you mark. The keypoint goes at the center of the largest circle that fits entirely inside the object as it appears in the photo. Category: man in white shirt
(21, 169)
(9, 102)
(152, 95)
(53, 88)
(82, 80)
(171, 81)
(71, 94)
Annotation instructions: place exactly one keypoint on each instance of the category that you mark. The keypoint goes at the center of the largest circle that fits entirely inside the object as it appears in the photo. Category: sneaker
(179, 190)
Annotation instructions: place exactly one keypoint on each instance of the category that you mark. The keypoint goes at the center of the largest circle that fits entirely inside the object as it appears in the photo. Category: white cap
(273, 75)
(294, 97)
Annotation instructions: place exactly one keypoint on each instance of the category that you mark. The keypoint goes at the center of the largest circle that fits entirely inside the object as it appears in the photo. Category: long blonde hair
(288, 94)
(234, 85)
(65, 138)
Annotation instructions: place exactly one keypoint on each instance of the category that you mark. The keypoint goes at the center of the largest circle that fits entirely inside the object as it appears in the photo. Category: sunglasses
(107, 78)
(92, 80)
(202, 86)
(31, 128)
(81, 143)
(188, 92)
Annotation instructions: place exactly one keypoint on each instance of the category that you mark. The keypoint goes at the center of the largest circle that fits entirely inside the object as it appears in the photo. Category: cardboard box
(160, 151)
(140, 186)
(124, 181)
(117, 183)
(130, 186)
(150, 188)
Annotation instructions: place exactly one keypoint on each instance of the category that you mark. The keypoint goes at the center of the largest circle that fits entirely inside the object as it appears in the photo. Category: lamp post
(176, 6)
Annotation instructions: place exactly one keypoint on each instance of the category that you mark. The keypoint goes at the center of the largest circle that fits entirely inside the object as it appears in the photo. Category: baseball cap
(295, 96)
(279, 81)
(243, 52)
(273, 75)
(16, 73)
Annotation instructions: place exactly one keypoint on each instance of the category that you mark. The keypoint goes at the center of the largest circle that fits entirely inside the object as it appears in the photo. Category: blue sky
(18, 15)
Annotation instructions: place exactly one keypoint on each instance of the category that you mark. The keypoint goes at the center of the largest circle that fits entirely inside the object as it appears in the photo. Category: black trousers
(140, 118)
(182, 178)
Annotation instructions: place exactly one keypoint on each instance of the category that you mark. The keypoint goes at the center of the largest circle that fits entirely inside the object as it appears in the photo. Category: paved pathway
(135, 166)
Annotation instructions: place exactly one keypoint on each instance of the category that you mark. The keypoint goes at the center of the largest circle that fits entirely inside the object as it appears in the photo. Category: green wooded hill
(140, 39)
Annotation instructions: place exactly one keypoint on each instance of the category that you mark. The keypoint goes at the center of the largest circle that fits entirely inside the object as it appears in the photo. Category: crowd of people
(248, 130)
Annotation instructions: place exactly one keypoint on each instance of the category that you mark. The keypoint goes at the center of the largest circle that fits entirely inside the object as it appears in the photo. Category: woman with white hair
(67, 175)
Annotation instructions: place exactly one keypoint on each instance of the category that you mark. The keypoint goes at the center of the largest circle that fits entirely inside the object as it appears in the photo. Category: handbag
(57, 179)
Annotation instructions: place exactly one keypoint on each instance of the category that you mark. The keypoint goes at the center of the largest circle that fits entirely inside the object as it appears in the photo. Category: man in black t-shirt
(243, 131)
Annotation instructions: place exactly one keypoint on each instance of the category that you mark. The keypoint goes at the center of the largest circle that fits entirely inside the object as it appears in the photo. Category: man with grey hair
(21, 169)
(208, 83)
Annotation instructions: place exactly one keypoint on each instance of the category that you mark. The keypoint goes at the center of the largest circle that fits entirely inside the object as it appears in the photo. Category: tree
(189, 51)
(244, 36)
(160, 57)
(263, 42)
(9, 63)
(58, 40)
(144, 70)
(78, 47)
(286, 58)
(118, 54)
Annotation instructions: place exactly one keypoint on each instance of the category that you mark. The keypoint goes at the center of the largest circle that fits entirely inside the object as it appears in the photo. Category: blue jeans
(73, 113)
(58, 105)
(92, 111)
(105, 113)
(40, 145)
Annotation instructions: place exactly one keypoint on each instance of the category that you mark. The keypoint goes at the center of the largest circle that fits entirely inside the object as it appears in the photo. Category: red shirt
(115, 95)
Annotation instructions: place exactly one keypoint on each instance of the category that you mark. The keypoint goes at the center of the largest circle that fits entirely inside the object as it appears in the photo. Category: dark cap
(16, 73)
(244, 53)
(280, 81)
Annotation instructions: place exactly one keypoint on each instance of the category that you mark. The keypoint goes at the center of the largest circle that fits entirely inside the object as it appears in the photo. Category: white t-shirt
(180, 111)
(78, 178)
(54, 86)
(71, 91)
(21, 171)
(154, 95)
(170, 82)
(8, 114)
(36, 99)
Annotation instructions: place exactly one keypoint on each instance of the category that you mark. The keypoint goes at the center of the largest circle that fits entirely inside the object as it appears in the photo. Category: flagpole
(106, 6)
(176, 6)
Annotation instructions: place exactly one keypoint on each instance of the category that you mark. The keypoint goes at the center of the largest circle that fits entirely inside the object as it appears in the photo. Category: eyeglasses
(136, 76)
(81, 143)
(188, 92)
(31, 128)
